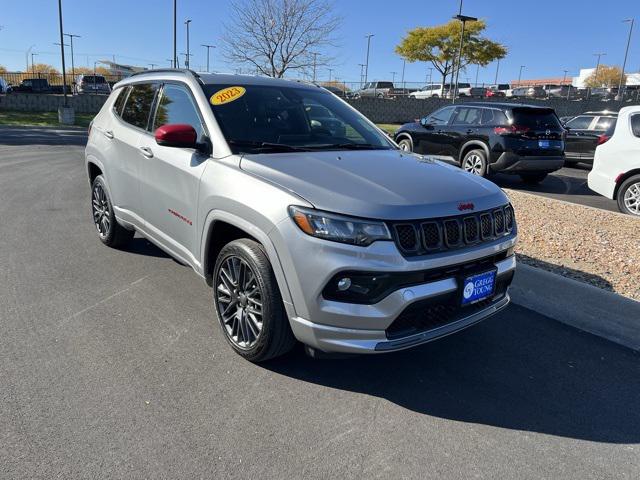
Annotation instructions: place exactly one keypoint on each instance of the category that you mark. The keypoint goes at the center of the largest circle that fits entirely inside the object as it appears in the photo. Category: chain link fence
(50, 82)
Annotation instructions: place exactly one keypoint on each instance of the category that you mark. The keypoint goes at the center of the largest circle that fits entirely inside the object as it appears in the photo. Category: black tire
(405, 144)
(110, 232)
(275, 337)
(533, 178)
(475, 162)
(630, 188)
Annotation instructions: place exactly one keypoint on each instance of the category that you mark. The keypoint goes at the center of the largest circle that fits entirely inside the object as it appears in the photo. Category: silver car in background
(306, 220)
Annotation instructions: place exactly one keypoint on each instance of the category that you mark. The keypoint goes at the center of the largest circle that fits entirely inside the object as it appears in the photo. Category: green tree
(439, 45)
(608, 76)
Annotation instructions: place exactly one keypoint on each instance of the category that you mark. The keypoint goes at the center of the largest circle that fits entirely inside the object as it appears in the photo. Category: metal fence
(53, 80)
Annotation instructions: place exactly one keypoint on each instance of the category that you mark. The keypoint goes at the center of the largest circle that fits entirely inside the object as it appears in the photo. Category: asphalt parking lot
(112, 365)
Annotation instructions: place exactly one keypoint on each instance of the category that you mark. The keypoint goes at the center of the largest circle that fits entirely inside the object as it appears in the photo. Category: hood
(381, 184)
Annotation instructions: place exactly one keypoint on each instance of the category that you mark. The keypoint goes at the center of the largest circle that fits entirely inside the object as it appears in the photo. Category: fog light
(344, 284)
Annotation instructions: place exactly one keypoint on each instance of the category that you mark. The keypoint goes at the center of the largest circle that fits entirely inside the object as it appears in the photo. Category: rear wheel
(533, 178)
(629, 196)
(405, 145)
(110, 232)
(248, 302)
(475, 162)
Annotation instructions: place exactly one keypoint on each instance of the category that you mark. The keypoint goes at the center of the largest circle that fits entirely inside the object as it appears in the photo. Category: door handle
(108, 134)
(146, 151)
(470, 131)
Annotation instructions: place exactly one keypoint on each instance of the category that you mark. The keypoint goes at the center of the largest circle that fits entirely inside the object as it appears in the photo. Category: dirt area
(593, 246)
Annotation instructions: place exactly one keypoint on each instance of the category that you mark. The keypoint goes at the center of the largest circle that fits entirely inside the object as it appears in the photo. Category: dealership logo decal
(181, 217)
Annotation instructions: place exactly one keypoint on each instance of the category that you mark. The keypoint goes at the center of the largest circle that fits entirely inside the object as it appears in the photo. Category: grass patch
(388, 127)
(40, 119)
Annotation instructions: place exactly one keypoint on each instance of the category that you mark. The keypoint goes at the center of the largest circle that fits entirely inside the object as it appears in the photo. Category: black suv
(488, 138)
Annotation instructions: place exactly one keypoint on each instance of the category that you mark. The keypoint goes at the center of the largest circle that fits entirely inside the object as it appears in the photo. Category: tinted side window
(604, 123)
(138, 107)
(580, 123)
(177, 106)
(493, 117)
(119, 103)
(441, 117)
(467, 116)
(635, 125)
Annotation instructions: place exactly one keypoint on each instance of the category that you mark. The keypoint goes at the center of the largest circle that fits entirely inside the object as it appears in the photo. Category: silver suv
(309, 223)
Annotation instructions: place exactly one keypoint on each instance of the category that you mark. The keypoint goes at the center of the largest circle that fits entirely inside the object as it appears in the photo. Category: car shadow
(142, 246)
(561, 182)
(43, 136)
(580, 275)
(518, 370)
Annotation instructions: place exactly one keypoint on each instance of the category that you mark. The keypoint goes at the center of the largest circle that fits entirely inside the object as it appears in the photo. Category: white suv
(616, 165)
(305, 218)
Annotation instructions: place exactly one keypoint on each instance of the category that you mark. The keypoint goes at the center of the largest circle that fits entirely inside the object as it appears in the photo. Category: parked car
(437, 90)
(92, 84)
(34, 85)
(344, 243)
(498, 90)
(564, 91)
(616, 166)
(585, 132)
(486, 138)
(5, 87)
(528, 92)
(376, 90)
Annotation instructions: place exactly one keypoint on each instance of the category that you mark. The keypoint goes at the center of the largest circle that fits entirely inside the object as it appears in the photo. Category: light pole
(186, 59)
(26, 55)
(208, 47)
(315, 64)
(73, 68)
(463, 19)
(95, 90)
(520, 74)
(330, 72)
(477, 73)
(497, 70)
(599, 55)
(430, 81)
(64, 78)
(361, 65)
(170, 62)
(153, 65)
(187, 23)
(393, 76)
(366, 68)
(624, 64)
(33, 71)
(404, 64)
(175, 20)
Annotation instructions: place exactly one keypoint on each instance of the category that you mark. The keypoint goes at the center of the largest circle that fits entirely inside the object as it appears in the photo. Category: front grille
(419, 237)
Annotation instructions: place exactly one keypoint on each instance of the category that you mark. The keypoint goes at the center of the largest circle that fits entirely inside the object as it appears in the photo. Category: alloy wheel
(239, 302)
(632, 198)
(100, 210)
(473, 164)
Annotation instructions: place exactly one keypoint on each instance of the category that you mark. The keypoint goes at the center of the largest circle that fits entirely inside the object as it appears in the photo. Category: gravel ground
(593, 246)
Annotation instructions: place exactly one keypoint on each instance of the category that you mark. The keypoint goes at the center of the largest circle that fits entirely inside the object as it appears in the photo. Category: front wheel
(475, 162)
(405, 145)
(248, 302)
(629, 196)
(533, 178)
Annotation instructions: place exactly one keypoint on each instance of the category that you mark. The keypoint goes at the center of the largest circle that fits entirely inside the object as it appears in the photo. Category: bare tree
(275, 36)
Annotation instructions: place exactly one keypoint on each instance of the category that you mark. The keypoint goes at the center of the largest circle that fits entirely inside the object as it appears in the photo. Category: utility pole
(366, 69)
(64, 78)
(361, 65)
(175, 21)
(186, 64)
(207, 47)
(73, 67)
(520, 74)
(33, 72)
(497, 69)
(624, 64)
(393, 76)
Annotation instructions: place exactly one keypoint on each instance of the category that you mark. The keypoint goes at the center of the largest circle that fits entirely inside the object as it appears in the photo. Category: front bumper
(509, 162)
(331, 338)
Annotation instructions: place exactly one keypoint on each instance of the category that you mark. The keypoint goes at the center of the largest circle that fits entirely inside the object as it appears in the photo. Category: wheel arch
(403, 136)
(623, 178)
(472, 145)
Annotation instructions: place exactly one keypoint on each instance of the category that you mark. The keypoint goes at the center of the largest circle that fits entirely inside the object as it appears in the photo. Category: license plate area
(544, 144)
(478, 287)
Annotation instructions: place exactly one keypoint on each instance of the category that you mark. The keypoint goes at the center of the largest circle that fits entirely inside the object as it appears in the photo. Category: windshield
(267, 119)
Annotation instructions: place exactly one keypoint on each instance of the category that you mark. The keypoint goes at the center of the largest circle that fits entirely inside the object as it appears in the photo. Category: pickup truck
(379, 90)
(37, 85)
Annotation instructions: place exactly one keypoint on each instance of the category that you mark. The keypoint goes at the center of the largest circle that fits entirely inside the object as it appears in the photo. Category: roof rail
(167, 70)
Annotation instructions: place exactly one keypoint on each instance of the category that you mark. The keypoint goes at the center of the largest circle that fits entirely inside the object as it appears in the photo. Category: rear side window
(605, 123)
(494, 117)
(177, 106)
(635, 125)
(536, 118)
(119, 103)
(138, 106)
(467, 116)
(580, 123)
(385, 85)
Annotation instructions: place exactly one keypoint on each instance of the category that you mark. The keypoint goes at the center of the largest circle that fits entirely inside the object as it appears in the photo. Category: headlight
(338, 228)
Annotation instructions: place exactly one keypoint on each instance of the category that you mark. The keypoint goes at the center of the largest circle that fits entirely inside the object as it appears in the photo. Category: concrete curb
(574, 303)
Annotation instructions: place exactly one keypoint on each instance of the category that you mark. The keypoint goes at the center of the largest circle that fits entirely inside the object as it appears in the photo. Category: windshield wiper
(349, 146)
(267, 146)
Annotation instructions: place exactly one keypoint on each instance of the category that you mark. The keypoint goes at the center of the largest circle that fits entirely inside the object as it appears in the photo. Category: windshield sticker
(227, 95)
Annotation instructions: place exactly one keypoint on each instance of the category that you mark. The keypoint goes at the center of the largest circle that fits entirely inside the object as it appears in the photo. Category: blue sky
(547, 37)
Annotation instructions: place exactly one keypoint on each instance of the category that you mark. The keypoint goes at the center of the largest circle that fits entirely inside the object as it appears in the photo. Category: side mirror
(177, 135)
